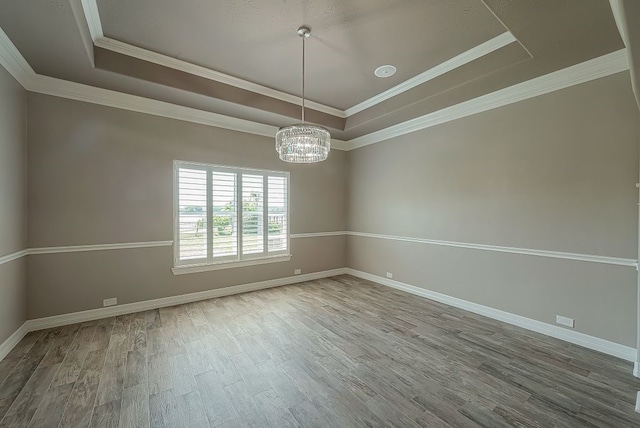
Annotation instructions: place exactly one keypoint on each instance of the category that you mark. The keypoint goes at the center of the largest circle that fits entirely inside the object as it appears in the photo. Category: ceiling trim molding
(13, 61)
(17, 66)
(196, 70)
(92, 15)
(90, 94)
(596, 68)
(466, 57)
(616, 9)
(77, 9)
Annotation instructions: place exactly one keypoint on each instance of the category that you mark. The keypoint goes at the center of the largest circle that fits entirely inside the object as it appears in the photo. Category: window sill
(181, 270)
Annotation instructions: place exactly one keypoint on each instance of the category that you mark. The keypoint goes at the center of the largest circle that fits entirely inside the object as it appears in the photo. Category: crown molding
(207, 73)
(13, 61)
(466, 57)
(17, 66)
(196, 70)
(91, 94)
(596, 68)
(91, 13)
(616, 9)
(92, 16)
(77, 91)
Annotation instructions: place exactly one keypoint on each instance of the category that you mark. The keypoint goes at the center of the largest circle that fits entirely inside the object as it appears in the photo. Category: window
(226, 216)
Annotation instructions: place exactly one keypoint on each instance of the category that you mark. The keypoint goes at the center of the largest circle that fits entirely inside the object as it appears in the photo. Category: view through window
(226, 214)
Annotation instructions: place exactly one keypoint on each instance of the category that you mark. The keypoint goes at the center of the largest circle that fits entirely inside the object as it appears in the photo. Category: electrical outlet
(569, 322)
(110, 302)
(389, 275)
(297, 271)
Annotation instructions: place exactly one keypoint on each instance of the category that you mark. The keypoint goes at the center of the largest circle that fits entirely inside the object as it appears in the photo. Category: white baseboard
(605, 346)
(12, 341)
(636, 369)
(94, 314)
(591, 342)
(638, 402)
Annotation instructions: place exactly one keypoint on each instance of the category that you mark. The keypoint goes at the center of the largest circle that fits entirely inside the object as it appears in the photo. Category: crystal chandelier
(303, 142)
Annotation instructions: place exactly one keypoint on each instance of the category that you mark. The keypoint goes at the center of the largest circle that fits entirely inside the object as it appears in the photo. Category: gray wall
(100, 175)
(556, 172)
(13, 226)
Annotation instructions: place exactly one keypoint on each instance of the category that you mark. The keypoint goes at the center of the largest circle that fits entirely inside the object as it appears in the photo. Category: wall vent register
(229, 216)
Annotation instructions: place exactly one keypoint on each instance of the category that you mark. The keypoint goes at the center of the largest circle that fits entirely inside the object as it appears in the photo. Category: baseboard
(636, 369)
(12, 341)
(638, 402)
(94, 314)
(591, 342)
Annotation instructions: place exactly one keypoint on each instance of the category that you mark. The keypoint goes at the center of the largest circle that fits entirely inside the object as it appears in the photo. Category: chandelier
(303, 142)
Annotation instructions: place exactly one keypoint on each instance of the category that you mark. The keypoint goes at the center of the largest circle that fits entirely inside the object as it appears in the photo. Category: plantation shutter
(224, 214)
(192, 214)
(277, 223)
(252, 214)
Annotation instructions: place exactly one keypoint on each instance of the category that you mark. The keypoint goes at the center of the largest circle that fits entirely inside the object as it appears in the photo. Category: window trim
(183, 269)
(228, 262)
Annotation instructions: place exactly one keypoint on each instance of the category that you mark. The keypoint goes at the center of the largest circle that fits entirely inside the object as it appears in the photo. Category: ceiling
(243, 58)
(349, 39)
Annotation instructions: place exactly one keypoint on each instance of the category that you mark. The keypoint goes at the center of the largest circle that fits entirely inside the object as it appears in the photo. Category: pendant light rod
(303, 32)
(302, 142)
(303, 79)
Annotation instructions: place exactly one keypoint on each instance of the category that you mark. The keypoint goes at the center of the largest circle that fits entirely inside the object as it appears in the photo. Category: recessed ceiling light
(385, 71)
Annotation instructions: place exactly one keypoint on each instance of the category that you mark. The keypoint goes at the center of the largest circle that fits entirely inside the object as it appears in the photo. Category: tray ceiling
(257, 41)
(242, 58)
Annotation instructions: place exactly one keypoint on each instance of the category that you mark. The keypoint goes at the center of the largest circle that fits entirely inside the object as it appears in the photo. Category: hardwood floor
(336, 352)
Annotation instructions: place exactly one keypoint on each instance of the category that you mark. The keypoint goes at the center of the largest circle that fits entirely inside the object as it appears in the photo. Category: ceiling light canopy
(303, 142)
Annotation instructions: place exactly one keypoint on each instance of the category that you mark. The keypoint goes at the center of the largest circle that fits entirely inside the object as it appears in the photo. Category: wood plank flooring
(340, 352)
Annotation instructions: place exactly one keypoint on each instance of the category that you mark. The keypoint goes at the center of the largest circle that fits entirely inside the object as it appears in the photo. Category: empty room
(319, 213)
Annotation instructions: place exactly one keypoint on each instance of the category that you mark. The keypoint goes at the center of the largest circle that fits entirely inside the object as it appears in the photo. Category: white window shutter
(277, 223)
(225, 214)
(252, 214)
(192, 214)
